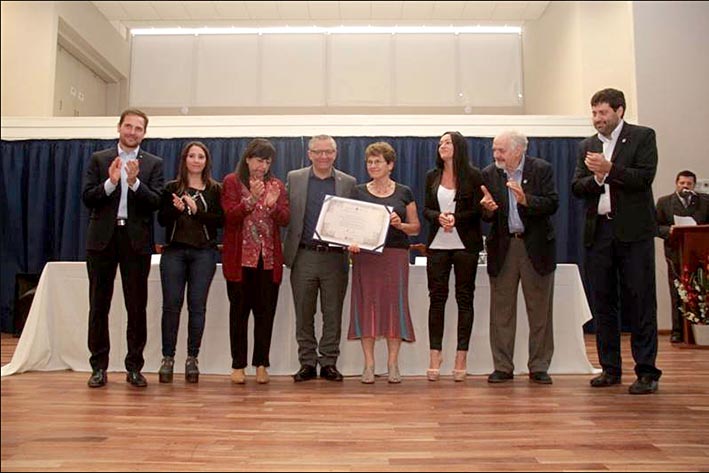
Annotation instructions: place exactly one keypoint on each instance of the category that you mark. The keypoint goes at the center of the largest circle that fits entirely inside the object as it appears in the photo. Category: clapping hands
(598, 164)
(178, 203)
(517, 190)
(258, 187)
(272, 195)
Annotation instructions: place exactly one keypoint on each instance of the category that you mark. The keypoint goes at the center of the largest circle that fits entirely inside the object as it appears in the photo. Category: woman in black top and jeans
(191, 213)
(452, 208)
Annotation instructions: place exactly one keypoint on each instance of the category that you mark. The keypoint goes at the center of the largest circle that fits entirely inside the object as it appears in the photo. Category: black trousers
(258, 293)
(101, 267)
(438, 268)
(629, 266)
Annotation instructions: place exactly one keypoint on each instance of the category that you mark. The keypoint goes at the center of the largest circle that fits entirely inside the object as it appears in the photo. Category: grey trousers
(327, 274)
(539, 300)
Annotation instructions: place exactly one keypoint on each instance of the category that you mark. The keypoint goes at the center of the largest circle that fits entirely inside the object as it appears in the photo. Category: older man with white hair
(519, 200)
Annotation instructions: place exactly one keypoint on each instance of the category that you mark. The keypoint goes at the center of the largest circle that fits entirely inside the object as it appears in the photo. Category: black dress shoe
(540, 377)
(676, 337)
(643, 385)
(98, 378)
(305, 373)
(330, 373)
(499, 377)
(605, 379)
(136, 379)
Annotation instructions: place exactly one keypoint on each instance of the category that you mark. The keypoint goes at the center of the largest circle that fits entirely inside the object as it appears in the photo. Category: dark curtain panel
(43, 219)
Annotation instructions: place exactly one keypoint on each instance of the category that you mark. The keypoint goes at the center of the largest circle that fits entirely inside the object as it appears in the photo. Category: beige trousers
(539, 300)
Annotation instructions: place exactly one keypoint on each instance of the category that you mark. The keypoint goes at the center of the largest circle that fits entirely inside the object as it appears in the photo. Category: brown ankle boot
(191, 370)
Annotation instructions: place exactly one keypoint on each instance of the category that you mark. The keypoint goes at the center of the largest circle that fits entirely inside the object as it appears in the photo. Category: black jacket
(467, 208)
(668, 206)
(630, 180)
(104, 208)
(211, 218)
(542, 203)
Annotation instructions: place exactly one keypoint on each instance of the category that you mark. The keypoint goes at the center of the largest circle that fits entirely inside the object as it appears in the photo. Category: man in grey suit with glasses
(315, 266)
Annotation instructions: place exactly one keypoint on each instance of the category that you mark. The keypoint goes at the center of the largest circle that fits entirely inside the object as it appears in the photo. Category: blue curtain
(42, 218)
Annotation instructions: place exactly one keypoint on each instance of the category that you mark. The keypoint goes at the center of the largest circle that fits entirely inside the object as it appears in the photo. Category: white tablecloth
(55, 334)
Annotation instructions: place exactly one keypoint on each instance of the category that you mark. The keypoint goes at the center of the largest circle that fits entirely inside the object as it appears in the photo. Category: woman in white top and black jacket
(191, 213)
(452, 208)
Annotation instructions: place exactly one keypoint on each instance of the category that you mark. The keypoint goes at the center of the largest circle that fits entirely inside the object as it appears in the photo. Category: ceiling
(142, 14)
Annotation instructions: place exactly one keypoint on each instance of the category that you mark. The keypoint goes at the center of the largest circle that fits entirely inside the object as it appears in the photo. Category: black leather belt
(322, 248)
(519, 235)
(121, 222)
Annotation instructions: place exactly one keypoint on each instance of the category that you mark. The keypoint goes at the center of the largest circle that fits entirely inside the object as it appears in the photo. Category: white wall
(672, 71)
(108, 51)
(30, 34)
(18, 128)
(552, 65)
(322, 73)
(28, 55)
(78, 91)
(607, 51)
(575, 49)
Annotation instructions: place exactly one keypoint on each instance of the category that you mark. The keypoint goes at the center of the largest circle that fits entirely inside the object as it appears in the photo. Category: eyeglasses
(322, 152)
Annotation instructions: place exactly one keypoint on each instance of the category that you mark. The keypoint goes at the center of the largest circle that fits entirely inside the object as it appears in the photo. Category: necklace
(389, 186)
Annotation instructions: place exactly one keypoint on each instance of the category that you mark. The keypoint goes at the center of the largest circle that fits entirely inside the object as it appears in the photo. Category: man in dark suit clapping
(684, 202)
(519, 200)
(614, 174)
(122, 189)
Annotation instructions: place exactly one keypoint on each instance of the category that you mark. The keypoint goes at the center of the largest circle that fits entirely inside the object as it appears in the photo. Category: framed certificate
(353, 222)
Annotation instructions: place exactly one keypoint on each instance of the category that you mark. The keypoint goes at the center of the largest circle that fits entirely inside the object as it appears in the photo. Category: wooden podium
(692, 246)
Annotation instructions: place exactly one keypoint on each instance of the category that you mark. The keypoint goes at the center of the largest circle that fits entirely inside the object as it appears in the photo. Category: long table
(55, 334)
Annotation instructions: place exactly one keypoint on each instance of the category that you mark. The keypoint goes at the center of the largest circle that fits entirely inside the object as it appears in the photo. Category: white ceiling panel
(140, 10)
(478, 10)
(231, 10)
(324, 10)
(293, 10)
(387, 10)
(112, 10)
(171, 10)
(446, 10)
(509, 10)
(357, 10)
(201, 10)
(417, 10)
(273, 13)
(263, 10)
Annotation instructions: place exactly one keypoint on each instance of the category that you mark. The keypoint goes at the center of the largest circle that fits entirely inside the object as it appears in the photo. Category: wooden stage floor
(51, 421)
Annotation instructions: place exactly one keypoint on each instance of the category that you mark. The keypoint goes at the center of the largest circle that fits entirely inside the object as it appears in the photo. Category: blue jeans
(179, 267)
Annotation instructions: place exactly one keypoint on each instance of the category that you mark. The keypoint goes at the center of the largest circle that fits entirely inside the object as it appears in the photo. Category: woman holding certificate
(255, 207)
(452, 208)
(380, 282)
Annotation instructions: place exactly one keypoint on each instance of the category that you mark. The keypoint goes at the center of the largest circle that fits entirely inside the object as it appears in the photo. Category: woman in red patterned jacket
(255, 206)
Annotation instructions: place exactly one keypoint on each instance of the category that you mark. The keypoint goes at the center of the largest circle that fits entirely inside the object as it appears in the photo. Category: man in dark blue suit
(614, 174)
(122, 188)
